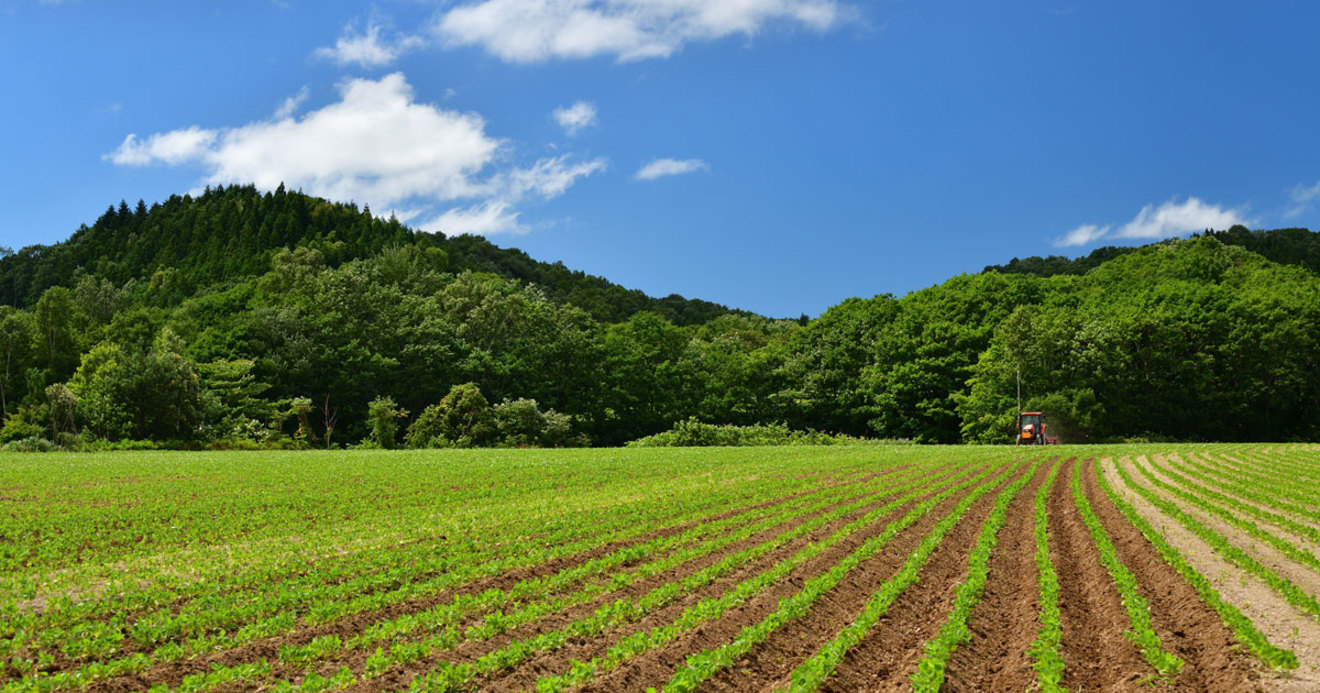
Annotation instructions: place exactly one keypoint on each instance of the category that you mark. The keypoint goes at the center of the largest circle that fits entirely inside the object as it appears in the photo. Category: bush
(694, 433)
(521, 423)
(463, 419)
(17, 428)
(32, 444)
(384, 416)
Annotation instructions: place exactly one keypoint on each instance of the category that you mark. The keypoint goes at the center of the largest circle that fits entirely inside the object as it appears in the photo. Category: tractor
(1031, 429)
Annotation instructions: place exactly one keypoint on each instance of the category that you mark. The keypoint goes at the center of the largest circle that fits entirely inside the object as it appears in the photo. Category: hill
(1285, 246)
(239, 319)
(227, 234)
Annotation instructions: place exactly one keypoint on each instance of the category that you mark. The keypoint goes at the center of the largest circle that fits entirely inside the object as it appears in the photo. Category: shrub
(18, 428)
(463, 419)
(384, 416)
(32, 444)
(694, 433)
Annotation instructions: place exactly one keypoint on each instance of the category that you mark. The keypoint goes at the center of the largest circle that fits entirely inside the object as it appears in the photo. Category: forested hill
(230, 233)
(238, 319)
(1284, 246)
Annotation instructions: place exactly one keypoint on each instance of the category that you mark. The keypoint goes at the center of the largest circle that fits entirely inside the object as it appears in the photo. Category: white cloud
(1172, 219)
(367, 49)
(1303, 198)
(576, 117)
(486, 218)
(174, 147)
(291, 104)
(1082, 235)
(376, 145)
(525, 31)
(669, 167)
(548, 178)
(1168, 220)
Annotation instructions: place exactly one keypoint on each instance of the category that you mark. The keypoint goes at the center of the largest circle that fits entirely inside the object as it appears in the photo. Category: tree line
(237, 319)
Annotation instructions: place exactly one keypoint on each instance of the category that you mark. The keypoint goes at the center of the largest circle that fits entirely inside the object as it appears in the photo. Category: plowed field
(863, 568)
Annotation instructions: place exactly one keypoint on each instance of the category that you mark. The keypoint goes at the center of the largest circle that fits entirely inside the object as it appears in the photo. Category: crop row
(448, 634)
(1138, 611)
(954, 632)
(460, 574)
(701, 666)
(1289, 591)
(1243, 629)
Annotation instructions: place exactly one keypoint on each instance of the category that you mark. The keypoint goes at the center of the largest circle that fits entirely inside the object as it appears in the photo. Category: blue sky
(774, 155)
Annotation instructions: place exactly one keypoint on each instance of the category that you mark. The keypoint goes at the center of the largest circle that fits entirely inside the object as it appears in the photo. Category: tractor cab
(1031, 428)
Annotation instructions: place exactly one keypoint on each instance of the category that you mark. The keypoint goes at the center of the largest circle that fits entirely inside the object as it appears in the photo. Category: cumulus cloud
(376, 145)
(659, 168)
(1082, 235)
(1168, 220)
(1303, 197)
(174, 147)
(1175, 219)
(576, 117)
(367, 48)
(527, 31)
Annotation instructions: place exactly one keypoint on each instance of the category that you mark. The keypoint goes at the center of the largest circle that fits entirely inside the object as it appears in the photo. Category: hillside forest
(238, 319)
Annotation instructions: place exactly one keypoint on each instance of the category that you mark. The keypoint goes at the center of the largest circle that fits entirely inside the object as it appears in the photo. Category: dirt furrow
(471, 650)
(1004, 623)
(1161, 466)
(172, 673)
(1213, 483)
(1188, 627)
(1301, 575)
(1282, 625)
(886, 659)
(655, 668)
(1096, 653)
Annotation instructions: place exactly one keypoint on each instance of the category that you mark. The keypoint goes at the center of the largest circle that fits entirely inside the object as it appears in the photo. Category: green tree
(56, 334)
(143, 395)
(16, 330)
(384, 415)
(462, 419)
(63, 403)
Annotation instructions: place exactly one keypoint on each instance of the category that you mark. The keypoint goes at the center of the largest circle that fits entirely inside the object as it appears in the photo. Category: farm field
(1174, 567)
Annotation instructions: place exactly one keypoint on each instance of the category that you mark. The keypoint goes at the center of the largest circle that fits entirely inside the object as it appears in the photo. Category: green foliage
(16, 427)
(16, 335)
(520, 423)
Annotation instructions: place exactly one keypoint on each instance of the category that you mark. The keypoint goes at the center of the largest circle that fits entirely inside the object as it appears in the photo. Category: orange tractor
(1031, 429)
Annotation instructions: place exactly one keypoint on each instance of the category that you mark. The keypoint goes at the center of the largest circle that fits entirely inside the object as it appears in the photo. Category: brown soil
(1301, 575)
(556, 662)
(655, 668)
(1281, 624)
(172, 673)
(1096, 653)
(1162, 464)
(1188, 627)
(1004, 622)
(886, 659)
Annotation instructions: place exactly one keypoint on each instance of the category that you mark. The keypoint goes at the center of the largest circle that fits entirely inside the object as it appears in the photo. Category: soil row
(172, 673)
